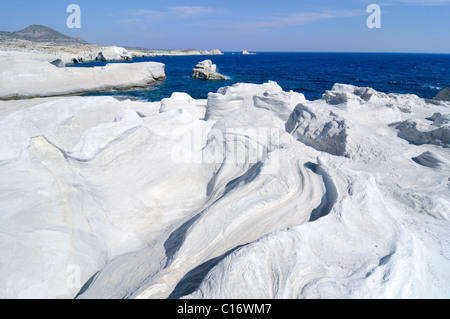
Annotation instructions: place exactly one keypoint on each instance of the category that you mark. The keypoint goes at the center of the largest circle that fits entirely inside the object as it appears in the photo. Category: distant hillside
(39, 33)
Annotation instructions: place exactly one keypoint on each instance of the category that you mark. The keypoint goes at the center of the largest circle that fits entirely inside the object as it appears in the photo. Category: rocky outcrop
(432, 160)
(324, 132)
(112, 53)
(33, 78)
(216, 52)
(418, 133)
(100, 57)
(206, 70)
(443, 95)
(141, 52)
(269, 96)
(108, 199)
(58, 63)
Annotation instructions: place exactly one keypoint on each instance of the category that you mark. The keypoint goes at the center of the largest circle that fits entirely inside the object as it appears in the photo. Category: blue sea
(308, 73)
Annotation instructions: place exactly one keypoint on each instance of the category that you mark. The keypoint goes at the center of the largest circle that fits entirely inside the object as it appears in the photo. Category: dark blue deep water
(308, 73)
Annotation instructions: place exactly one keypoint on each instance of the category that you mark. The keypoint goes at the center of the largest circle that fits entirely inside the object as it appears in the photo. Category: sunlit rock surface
(253, 193)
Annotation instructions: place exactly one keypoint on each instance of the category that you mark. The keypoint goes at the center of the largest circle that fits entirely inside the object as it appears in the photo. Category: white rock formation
(217, 199)
(68, 53)
(157, 52)
(268, 96)
(71, 53)
(114, 53)
(107, 53)
(215, 52)
(206, 70)
(325, 132)
(418, 133)
(34, 78)
(245, 52)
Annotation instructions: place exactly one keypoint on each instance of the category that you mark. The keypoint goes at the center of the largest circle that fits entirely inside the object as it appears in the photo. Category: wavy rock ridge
(252, 193)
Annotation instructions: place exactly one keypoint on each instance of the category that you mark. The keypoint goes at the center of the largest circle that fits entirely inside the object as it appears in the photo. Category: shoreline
(81, 53)
(36, 78)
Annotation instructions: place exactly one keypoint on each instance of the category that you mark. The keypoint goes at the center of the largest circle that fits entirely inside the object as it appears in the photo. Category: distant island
(39, 33)
(44, 43)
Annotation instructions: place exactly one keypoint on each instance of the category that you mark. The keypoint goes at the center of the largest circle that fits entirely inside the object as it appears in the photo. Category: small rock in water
(206, 70)
(443, 95)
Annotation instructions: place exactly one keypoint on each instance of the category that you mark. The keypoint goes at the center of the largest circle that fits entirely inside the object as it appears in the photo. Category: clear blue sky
(254, 25)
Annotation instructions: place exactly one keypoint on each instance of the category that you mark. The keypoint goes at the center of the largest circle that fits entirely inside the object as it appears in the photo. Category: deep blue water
(308, 73)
